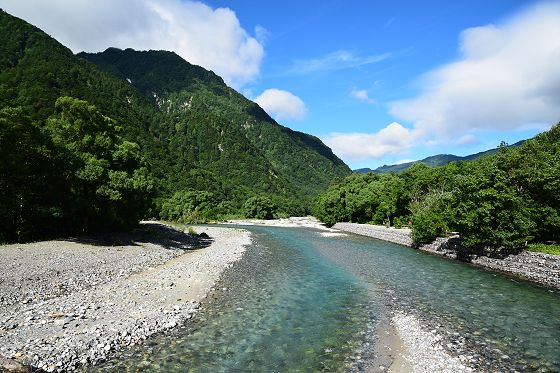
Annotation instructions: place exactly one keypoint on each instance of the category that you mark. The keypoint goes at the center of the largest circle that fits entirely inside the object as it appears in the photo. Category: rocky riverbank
(70, 303)
(424, 349)
(541, 268)
(291, 222)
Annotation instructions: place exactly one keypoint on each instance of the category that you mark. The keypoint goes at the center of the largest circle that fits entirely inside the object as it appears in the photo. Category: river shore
(70, 303)
(540, 268)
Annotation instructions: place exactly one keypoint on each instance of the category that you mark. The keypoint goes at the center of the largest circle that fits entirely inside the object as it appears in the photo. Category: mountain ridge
(207, 93)
(432, 161)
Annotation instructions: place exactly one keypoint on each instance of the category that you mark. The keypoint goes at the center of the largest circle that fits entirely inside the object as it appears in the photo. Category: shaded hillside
(432, 161)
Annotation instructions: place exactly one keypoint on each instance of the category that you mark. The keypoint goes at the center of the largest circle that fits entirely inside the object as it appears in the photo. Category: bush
(492, 208)
(432, 216)
(188, 206)
(401, 221)
(427, 227)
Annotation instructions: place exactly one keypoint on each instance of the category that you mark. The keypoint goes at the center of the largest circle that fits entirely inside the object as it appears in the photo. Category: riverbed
(303, 300)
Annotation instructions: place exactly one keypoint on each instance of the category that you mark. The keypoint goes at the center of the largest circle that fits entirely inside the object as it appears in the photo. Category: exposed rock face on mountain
(192, 101)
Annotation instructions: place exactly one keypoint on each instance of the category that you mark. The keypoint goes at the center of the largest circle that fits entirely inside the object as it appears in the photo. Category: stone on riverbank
(537, 267)
(12, 366)
(60, 330)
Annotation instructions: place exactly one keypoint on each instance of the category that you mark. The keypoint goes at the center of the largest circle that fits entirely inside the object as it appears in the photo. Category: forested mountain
(432, 161)
(83, 136)
(194, 100)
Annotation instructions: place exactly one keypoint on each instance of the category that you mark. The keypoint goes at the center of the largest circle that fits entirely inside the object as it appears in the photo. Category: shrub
(432, 216)
(543, 248)
(401, 221)
(188, 206)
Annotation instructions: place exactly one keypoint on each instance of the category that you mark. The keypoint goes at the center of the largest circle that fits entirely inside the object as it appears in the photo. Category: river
(302, 302)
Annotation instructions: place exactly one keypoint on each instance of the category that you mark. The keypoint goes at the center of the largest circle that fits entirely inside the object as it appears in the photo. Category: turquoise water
(301, 303)
(287, 309)
(515, 323)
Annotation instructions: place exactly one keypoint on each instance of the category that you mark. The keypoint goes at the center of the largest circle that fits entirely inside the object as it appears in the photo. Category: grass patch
(543, 248)
(191, 232)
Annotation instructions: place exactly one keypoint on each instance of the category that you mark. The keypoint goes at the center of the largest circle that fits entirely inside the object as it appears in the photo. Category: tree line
(93, 143)
(507, 199)
(76, 174)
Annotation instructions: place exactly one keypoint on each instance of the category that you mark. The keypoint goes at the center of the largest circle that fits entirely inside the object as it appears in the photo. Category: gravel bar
(424, 349)
(71, 303)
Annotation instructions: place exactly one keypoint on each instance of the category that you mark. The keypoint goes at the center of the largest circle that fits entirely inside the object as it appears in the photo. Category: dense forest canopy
(505, 199)
(97, 141)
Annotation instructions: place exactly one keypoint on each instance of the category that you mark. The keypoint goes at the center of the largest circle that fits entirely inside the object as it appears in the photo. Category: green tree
(259, 207)
(108, 183)
(432, 215)
(491, 209)
(330, 207)
(189, 207)
(390, 192)
(535, 169)
(29, 187)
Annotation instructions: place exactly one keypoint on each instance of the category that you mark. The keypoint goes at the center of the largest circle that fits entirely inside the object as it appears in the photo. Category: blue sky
(379, 82)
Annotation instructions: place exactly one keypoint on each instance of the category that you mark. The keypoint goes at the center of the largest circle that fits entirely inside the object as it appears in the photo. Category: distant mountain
(432, 161)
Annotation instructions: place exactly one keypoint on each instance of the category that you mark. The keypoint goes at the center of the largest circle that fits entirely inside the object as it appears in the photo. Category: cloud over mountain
(391, 140)
(506, 78)
(282, 104)
(212, 38)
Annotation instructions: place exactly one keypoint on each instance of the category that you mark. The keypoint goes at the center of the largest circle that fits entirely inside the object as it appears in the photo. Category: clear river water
(302, 302)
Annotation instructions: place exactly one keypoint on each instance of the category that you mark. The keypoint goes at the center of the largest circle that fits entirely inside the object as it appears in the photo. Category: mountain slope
(432, 161)
(195, 132)
(184, 90)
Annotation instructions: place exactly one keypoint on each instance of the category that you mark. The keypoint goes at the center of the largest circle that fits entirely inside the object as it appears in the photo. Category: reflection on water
(300, 303)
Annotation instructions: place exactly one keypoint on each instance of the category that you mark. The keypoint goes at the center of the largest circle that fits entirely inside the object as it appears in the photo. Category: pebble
(424, 350)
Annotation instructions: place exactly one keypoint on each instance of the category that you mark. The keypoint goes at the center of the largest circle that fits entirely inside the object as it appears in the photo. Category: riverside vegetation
(500, 201)
(94, 142)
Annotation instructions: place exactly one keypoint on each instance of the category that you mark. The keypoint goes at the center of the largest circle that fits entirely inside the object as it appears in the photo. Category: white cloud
(212, 38)
(361, 95)
(507, 78)
(391, 140)
(467, 140)
(281, 104)
(261, 34)
(338, 60)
